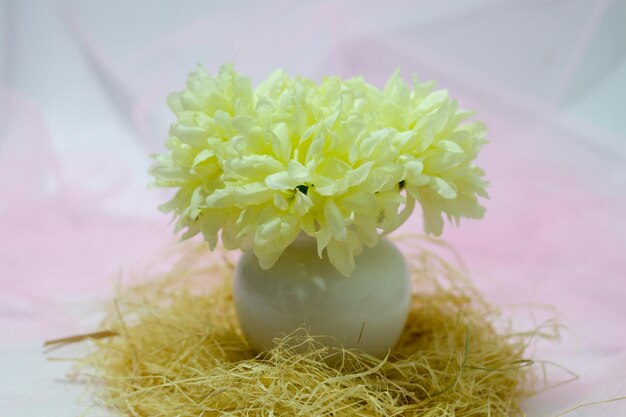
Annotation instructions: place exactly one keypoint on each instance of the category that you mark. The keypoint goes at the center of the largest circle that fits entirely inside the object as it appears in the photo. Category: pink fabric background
(82, 104)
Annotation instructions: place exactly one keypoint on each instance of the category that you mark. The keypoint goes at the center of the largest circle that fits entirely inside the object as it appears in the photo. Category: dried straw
(174, 348)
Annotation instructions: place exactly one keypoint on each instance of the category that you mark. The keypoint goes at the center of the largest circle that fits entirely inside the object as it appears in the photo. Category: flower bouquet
(303, 177)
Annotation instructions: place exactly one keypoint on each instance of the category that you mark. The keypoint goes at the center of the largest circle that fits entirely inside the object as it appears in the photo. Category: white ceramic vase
(367, 310)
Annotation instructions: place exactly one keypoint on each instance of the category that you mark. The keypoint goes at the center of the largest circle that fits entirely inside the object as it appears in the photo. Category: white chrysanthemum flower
(340, 161)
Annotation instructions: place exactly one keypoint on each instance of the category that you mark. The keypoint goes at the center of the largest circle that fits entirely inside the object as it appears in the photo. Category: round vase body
(367, 310)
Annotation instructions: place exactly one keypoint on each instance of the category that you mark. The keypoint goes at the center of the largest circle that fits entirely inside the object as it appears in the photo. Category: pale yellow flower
(340, 161)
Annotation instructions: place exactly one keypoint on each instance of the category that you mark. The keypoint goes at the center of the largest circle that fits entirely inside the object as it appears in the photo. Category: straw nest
(172, 347)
